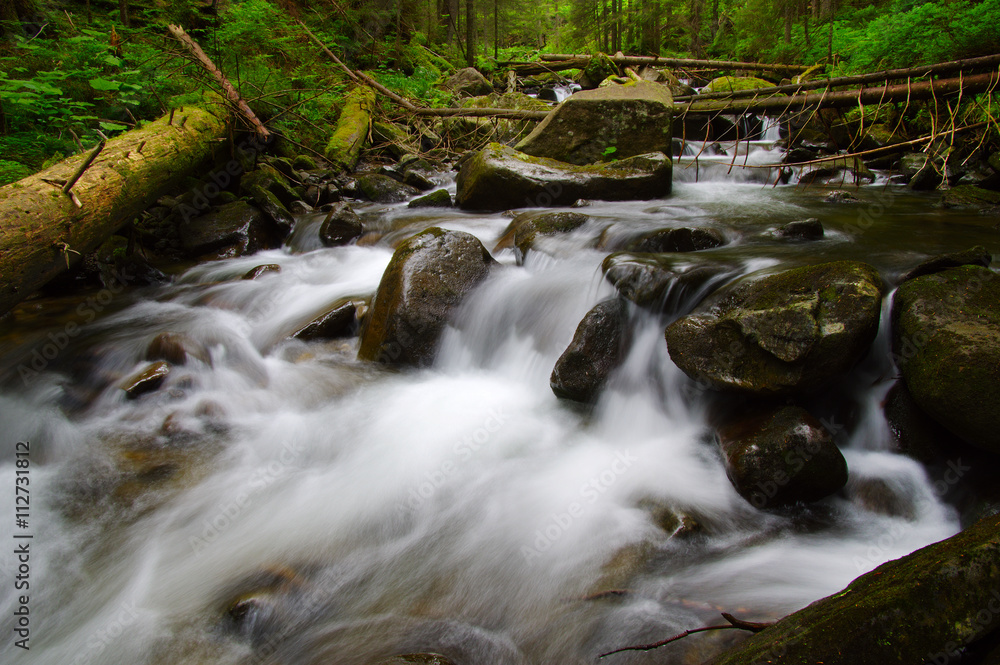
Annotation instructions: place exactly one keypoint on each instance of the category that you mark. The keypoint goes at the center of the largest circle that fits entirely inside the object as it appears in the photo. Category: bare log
(177, 32)
(42, 231)
(843, 98)
(655, 61)
(968, 65)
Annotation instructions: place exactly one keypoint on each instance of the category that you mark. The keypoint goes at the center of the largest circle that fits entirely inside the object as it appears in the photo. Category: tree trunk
(470, 32)
(42, 230)
(788, 21)
(805, 21)
(123, 12)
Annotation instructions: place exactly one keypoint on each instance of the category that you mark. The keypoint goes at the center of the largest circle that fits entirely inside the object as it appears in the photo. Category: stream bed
(278, 501)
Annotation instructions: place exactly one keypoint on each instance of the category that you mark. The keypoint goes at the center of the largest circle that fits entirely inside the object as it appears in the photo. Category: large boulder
(499, 178)
(680, 239)
(780, 457)
(427, 278)
(785, 333)
(664, 282)
(598, 347)
(597, 125)
(921, 608)
(946, 342)
(340, 226)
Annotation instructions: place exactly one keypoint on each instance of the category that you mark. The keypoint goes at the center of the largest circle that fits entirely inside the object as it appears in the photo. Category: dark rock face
(946, 342)
(427, 278)
(272, 194)
(598, 347)
(662, 282)
(683, 239)
(781, 457)
(234, 229)
(339, 321)
(260, 270)
(500, 178)
(784, 333)
(617, 121)
(146, 380)
(383, 189)
(341, 225)
(917, 609)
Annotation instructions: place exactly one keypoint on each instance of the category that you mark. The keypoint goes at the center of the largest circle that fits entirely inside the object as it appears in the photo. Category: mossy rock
(789, 332)
(341, 225)
(501, 178)
(437, 199)
(426, 279)
(599, 345)
(526, 227)
(599, 68)
(608, 123)
(970, 196)
(383, 189)
(680, 239)
(917, 609)
(946, 342)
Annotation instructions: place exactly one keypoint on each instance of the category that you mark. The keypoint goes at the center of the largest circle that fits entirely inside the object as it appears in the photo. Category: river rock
(847, 169)
(970, 196)
(383, 189)
(175, 348)
(272, 194)
(662, 282)
(681, 239)
(524, 229)
(974, 256)
(806, 229)
(264, 269)
(338, 321)
(780, 457)
(438, 199)
(341, 225)
(597, 125)
(501, 178)
(418, 659)
(920, 608)
(234, 229)
(784, 333)
(146, 380)
(427, 278)
(468, 82)
(946, 343)
(598, 347)
(841, 196)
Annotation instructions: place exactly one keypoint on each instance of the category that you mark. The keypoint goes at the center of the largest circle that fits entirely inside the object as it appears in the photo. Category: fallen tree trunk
(777, 105)
(630, 60)
(969, 65)
(42, 230)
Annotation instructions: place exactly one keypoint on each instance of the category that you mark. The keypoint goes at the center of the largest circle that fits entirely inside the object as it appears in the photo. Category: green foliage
(11, 171)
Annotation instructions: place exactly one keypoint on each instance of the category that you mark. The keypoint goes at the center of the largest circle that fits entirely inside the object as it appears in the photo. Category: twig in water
(734, 624)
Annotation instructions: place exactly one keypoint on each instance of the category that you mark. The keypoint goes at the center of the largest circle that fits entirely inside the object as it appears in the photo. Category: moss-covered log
(351, 132)
(43, 230)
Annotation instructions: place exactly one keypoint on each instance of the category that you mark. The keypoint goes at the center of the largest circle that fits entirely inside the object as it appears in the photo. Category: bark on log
(969, 65)
(843, 98)
(678, 62)
(42, 231)
(177, 32)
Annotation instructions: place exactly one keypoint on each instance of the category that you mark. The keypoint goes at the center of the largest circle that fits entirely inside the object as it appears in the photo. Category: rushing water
(342, 511)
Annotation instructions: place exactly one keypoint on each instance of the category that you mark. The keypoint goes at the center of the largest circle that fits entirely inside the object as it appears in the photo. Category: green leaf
(112, 126)
(104, 84)
(113, 61)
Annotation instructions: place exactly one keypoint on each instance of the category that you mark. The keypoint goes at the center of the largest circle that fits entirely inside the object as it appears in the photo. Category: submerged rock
(338, 321)
(682, 239)
(146, 380)
(524, 229)
(501, 178)
(598, 347)
(341, 225)
(784, 333)
(427, 278)
(260, 270)
(921, 608)
(780, 457)
(663, 282)
(615, 122)
(806, 229)
(946, 343)
(418, 659)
